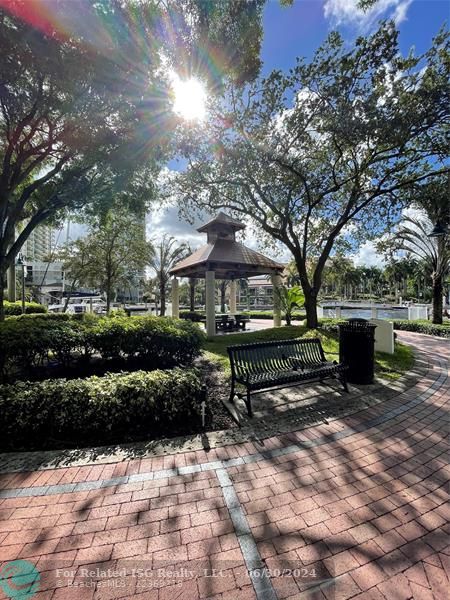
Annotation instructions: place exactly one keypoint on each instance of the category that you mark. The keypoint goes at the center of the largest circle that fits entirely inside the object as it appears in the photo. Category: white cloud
(347, 12)
(368, 256)
(165, 220)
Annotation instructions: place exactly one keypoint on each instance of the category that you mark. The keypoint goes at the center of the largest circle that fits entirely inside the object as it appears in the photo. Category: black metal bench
(280, 364)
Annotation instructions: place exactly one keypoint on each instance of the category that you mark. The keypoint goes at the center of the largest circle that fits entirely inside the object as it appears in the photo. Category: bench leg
(342, 378)
(231, 399)
(248, 404)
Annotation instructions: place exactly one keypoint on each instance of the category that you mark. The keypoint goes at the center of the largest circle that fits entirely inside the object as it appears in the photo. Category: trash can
(357, 349)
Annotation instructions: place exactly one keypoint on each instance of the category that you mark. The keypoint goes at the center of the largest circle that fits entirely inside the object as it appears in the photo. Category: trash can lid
(357, 323)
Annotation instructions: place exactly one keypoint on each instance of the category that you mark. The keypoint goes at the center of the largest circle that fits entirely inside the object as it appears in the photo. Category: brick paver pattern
(353, 508)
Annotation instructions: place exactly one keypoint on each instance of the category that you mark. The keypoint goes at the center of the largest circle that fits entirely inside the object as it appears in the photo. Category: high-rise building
(39, 245)
(42, 274)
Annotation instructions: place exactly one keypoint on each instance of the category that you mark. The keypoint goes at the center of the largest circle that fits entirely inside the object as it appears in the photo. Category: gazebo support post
(276, 282)
(175, 298)
(210, 303)
(233, 297)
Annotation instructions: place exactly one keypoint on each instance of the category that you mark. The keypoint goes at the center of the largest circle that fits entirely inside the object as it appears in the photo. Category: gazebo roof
(220, 220)
(225, 256)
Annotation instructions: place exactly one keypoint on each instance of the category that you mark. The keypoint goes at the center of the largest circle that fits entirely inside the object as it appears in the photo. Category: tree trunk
(69, 296)
(310, 291)
(2, 294)
(192, 295)
(223, 286)
(162, 293)
(437, 299)
(311, 308)
(108, 299)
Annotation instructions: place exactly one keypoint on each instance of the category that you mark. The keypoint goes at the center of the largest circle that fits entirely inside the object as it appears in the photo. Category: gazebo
(222, 257)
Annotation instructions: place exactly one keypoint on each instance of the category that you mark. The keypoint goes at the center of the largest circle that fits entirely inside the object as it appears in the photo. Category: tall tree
(167, 253)
(113, 248)
(89, 94)
(305, 154)
(76, 259)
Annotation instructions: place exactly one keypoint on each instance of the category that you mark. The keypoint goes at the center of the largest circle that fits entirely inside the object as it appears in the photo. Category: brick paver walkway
(354, 508)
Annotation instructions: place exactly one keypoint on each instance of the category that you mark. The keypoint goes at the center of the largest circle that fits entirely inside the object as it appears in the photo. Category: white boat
(79, 304)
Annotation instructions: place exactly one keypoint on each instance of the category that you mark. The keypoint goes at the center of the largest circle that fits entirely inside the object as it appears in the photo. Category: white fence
(417, 312)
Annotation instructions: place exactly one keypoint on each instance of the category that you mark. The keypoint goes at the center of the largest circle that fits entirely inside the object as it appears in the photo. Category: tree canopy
(322, 153)
(85, 98)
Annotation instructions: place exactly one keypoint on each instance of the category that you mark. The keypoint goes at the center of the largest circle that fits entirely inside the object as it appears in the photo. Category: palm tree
(167, 254)
(433, 199)
(435, 252)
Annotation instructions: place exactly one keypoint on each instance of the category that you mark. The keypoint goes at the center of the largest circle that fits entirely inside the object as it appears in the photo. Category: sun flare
(189, 99)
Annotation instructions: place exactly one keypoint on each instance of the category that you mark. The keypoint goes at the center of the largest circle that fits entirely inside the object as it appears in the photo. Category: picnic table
(226, 322)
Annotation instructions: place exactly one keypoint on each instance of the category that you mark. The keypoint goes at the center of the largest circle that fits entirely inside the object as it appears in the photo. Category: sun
(190, 98)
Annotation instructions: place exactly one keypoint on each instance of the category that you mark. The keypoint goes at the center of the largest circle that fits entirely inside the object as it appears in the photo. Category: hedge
(15, 308)
(268, 314)
(403, 325)
(262, 314)
(30, 341)
(423, 327)
(97, 410)
(331, 325)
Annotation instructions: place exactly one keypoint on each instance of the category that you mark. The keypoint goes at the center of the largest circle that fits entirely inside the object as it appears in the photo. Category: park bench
(278, 364)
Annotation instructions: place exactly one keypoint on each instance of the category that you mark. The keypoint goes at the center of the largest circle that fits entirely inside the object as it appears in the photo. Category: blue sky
(299, 30)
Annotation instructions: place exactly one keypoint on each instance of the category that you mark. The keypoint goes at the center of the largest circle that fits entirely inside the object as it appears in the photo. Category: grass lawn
(386, 365)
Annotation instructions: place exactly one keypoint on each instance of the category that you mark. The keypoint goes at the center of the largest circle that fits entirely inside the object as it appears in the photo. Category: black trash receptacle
(357, 349)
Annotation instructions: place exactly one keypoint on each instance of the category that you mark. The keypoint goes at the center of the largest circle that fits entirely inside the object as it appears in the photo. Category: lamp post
(440, 231)
(21, 263)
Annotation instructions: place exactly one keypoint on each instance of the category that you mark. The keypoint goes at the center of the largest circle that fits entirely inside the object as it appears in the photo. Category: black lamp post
(439, 231)
(21, 263)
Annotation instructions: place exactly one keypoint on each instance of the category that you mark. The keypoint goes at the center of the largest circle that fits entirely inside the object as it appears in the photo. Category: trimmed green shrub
(331, 325)
(15, 308)
(423, 327)
(29, 341)
(97, 410)
(56, 317)
(160, 341)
